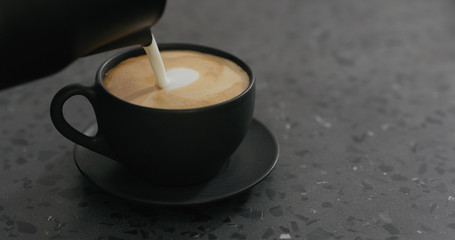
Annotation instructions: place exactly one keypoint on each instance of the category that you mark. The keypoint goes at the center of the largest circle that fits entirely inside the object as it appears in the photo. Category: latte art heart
(179, 77)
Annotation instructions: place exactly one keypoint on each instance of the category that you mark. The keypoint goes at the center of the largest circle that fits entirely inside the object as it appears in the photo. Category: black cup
(163, 146)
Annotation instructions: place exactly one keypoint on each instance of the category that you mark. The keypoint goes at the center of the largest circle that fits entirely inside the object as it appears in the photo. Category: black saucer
(251, 163)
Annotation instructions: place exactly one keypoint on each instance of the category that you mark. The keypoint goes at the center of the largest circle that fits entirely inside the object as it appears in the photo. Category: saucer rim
(257, 180)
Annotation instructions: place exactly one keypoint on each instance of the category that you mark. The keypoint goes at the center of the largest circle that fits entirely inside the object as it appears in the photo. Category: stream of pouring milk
(174, 78)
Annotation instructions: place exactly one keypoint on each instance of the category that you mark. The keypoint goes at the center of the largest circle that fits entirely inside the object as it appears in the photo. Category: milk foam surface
(218, 80)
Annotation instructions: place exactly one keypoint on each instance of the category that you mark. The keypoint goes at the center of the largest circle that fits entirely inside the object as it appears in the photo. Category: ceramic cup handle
(96, 143)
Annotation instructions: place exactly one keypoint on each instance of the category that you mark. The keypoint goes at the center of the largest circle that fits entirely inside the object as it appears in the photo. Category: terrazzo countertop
(359, 94)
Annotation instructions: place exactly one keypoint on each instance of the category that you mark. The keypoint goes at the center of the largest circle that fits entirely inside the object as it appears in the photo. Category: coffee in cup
(216, 80)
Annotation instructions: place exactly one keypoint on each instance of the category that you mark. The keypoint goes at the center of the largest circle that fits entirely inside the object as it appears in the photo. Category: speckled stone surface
(360, 95)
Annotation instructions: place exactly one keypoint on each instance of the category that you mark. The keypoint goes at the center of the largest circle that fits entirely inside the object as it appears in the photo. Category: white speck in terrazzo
(285, 236)
(355, 168)
(418, 181)
(287, 126)
(238, 226)
(450, 198)
(323, 121)
(385, 216)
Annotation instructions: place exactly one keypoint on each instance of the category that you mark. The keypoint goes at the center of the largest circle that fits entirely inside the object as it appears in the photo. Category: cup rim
(136, 51)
